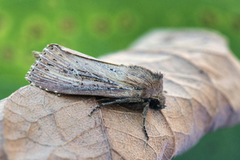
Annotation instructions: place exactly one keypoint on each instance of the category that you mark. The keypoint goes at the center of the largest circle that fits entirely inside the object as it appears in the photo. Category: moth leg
(104, 99)
(123, 100)
(145, 111)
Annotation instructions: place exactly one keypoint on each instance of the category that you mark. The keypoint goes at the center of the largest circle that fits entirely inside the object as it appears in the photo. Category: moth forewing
(62, 70)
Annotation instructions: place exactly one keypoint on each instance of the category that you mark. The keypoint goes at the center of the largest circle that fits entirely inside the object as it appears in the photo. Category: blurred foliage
(99, 27)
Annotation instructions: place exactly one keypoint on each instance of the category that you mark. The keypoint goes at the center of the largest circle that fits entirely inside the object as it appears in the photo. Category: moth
(61, 70)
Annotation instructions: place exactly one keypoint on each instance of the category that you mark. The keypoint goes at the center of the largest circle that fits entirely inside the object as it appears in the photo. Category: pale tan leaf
(201, 83)
(3, 155)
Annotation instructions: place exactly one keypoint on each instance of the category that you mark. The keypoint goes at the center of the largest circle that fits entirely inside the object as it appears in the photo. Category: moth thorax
(154, 90)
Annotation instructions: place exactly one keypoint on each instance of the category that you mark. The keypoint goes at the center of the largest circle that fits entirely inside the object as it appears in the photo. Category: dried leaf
(200, 80)
(3, 155)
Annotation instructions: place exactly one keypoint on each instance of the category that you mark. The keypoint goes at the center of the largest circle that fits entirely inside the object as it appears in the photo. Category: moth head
(157, 102)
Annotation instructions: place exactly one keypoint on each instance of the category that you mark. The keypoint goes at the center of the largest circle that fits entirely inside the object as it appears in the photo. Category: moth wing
(73, 52)
(62, 70)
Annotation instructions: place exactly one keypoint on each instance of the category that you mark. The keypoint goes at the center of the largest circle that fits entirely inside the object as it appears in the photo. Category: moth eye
(154, 103)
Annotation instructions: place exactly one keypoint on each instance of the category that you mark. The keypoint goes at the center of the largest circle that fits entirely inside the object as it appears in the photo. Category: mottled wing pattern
(61, 70)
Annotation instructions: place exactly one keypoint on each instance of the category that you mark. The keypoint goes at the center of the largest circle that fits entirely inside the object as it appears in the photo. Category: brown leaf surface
(3, 155)
(201, 83)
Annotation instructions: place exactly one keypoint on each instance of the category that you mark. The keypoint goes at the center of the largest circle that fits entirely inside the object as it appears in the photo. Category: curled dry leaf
(200, 83)
(3, 156)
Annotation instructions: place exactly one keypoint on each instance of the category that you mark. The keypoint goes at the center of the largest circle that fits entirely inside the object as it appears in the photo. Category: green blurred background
(99, 27)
